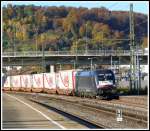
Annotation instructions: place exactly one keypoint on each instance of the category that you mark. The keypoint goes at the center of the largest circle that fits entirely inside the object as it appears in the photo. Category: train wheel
(93, 96)
(101, 97)
(116, 97)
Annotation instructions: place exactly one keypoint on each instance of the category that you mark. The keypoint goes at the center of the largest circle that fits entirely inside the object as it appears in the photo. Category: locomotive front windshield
(105, 77)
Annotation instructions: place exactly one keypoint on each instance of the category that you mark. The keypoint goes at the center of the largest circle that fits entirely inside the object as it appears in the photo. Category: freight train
(96, 83)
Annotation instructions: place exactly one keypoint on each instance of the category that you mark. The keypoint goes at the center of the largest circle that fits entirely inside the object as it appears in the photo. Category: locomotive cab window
(101, 77)
(109, 76)
(104, 77)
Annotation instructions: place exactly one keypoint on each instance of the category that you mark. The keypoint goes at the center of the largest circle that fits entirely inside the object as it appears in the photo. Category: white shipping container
(49, 81)
(7, 82)
(26, 81)
(65, 79)
(38, 81)
(15, 81)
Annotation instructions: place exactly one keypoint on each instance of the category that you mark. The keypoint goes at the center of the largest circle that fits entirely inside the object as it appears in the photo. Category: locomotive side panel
(85, 84)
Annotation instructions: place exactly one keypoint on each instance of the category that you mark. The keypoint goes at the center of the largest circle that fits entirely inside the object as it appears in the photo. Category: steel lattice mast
(132, 52)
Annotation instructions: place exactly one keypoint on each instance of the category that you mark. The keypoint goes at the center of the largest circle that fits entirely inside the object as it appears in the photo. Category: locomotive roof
(93, 72)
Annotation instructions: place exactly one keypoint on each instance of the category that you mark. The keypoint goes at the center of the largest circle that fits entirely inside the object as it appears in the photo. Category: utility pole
(137, 71)
(74, 64)
(102, 40)
(139, 78)
(10, 76)
(36, 38)
(14, 41)
(91, 62)
(86, 48)
(59, 64)
(76, 53)
(43, 61)
(119, 68)
(132, 52)
(111, 60)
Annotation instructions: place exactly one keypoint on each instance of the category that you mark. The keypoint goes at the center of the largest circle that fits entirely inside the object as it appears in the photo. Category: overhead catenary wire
(118, 5)
(110, 7)
(126, 39)
(113, 5)
(136, 25)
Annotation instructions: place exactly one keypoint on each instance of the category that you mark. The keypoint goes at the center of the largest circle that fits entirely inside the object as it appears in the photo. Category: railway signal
(119, 115)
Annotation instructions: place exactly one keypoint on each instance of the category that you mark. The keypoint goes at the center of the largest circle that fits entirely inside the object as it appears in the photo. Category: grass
(126, 91)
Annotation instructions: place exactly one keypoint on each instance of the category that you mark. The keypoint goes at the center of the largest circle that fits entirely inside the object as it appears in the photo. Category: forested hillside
(27, 28)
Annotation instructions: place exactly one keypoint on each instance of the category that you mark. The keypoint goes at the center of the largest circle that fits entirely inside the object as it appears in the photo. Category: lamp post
(91, 62)
(111, 61)
(74, 64)
(139, 76)
(76, 52)
(36, 38)
(115, 63)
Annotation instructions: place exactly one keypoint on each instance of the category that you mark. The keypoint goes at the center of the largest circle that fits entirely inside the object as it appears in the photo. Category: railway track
(98, 115)
(133, 109)
(128, 103)
(139, 100)
(90, 124)
(91, 114)
(123, 101)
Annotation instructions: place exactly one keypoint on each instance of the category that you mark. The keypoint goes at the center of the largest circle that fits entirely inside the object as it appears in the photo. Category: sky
(138, 6)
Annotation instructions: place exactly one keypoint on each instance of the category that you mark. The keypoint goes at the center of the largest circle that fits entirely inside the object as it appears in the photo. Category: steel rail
(51, 101)
(68, 114)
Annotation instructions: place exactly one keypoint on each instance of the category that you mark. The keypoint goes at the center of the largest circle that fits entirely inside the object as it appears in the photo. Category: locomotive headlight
(113, 91)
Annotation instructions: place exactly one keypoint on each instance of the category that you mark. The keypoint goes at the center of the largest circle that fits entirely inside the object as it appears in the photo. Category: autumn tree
(70, 24)
(145, 42)
(60, 27)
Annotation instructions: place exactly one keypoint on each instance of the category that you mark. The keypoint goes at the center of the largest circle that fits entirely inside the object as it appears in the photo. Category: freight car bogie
(6, 89)
(85, 94)
(49, 91)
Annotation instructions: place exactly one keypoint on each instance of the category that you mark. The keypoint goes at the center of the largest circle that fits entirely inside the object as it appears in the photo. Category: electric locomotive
(95, 83)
